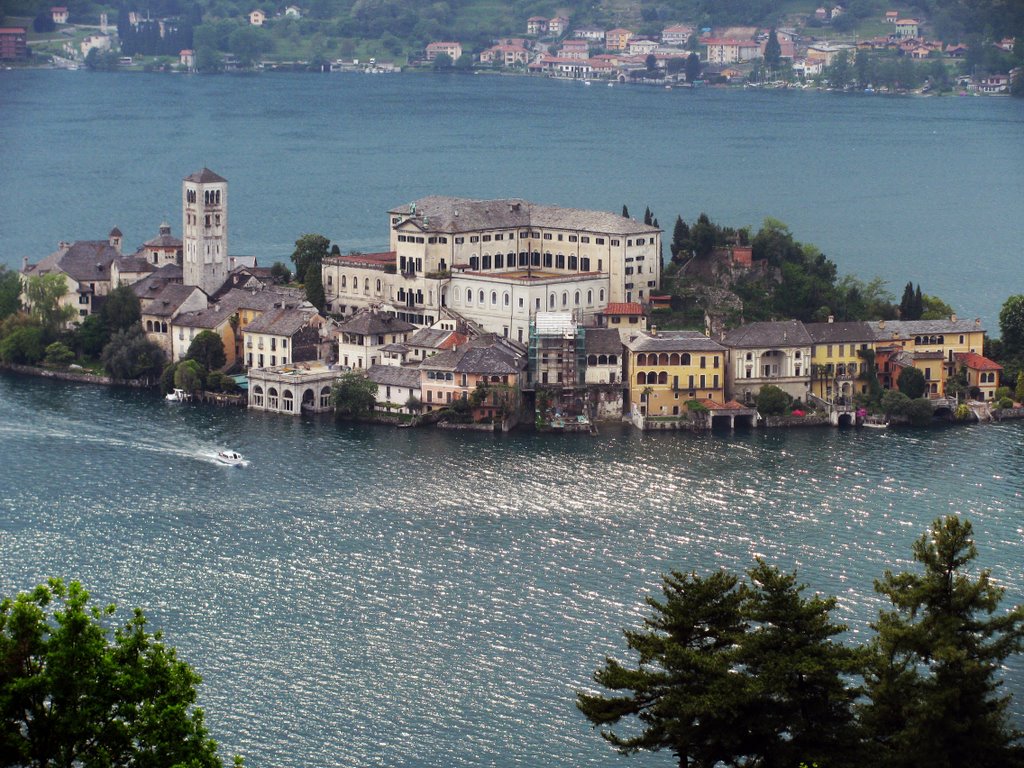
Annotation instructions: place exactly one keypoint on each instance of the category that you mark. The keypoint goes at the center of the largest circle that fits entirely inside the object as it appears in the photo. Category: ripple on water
(381, 597)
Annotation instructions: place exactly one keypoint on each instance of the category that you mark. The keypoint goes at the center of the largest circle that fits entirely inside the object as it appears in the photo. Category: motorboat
(231, 458)
(177, 396)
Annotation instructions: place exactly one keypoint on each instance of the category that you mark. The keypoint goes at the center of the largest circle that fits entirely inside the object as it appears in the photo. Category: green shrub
(1005, 402)
(920, 411)
(1003, 392)
(963, 412)
(23, 346)
(772, 401)
(59, 355)
(894, 403)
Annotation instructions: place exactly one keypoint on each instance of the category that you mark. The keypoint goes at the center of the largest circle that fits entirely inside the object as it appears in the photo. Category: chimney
(952, 318)
(654, 330)
(831, 318)
(24, 263)
(881, 325)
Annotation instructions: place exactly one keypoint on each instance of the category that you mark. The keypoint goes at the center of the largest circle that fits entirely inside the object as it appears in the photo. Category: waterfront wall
(79, 376)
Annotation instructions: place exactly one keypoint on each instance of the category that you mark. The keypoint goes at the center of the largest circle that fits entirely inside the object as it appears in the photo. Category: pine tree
(932, 680)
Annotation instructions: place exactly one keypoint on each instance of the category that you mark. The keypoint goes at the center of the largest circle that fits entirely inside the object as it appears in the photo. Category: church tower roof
(204, 176)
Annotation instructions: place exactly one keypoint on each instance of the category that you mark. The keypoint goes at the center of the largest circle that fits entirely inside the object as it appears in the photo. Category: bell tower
(204, 227)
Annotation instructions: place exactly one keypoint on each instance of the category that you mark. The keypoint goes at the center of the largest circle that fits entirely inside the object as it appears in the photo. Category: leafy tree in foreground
(353, 395)
(207, 349)
(74, 693)
(189, 376)
(91, 336)
(24, 346)
(932, 681)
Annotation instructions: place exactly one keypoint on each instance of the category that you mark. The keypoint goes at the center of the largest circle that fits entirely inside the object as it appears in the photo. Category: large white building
(498, 263)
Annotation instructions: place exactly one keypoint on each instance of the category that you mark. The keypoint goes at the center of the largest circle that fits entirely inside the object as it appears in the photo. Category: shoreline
(769, 423)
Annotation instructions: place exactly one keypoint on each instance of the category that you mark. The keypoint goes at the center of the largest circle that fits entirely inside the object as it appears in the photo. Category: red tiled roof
(977, 362)
(626, 308)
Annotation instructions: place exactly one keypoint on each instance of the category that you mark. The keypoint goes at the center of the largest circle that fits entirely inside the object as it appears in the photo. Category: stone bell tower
(204, 227)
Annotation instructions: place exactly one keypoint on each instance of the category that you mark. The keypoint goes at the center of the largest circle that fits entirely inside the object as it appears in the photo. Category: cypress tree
(315, 287)
(625, 211)
(918, 303)
(907, 302)
(647, 216)
(680, 239)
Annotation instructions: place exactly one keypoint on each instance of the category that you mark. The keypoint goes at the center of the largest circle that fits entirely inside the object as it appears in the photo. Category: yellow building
(932, 345)
(836, 359)
(669, 368)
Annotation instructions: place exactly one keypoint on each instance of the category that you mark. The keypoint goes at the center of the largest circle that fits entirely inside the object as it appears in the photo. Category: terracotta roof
(977, 362)
(206, 175)
(624, 308)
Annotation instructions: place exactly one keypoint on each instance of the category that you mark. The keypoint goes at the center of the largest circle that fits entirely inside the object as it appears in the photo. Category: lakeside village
(491, 313)
(828, 48)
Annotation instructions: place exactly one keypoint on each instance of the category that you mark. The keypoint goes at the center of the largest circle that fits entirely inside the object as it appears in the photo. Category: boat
(177, 396)
(875, 423)
(231, 458)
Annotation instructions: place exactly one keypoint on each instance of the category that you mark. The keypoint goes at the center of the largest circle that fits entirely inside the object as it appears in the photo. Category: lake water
(923, 189)
(370, 596)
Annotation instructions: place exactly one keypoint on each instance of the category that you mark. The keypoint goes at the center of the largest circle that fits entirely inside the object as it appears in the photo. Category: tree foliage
(25, 345)
(315, 288)
(772, 50)
(911, 382)
(10, 292)
(733, 674)
(1011, 326)
(772, 401)
(43, 293)
(121, 310)
(130, 355)
(310, 250)
(91, 336)
(353, 395)
(74, 692)
(190, 376)
(932, 684)
(59, 355)
(207, 349)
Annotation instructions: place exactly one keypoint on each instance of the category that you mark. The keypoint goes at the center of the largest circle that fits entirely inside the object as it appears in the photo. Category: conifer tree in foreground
(932, 680)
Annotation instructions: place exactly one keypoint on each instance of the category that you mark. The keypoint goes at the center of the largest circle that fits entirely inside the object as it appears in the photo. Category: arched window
(663, 378)
(601, 296)
(505, 298)
(330, 281)
(602, 360)
(366, 284)
(565, 298)
(272, 399)
(590, 298)
(641, 359)
(663, 358)
(344, 281)
(149, 325)
(551, 301)
(378, 286)
(613, 359)
(685, 359)
(486, 261)
(652, 378)
(481, 297)
(576, 298)
(287, 400)
(641, 378)
(591, 359)
(494, 298)
(163, 327)
(673, 359)
(469, 295)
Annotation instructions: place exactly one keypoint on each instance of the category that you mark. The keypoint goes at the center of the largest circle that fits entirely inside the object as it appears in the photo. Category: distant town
(894, 51)
(481, 314)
